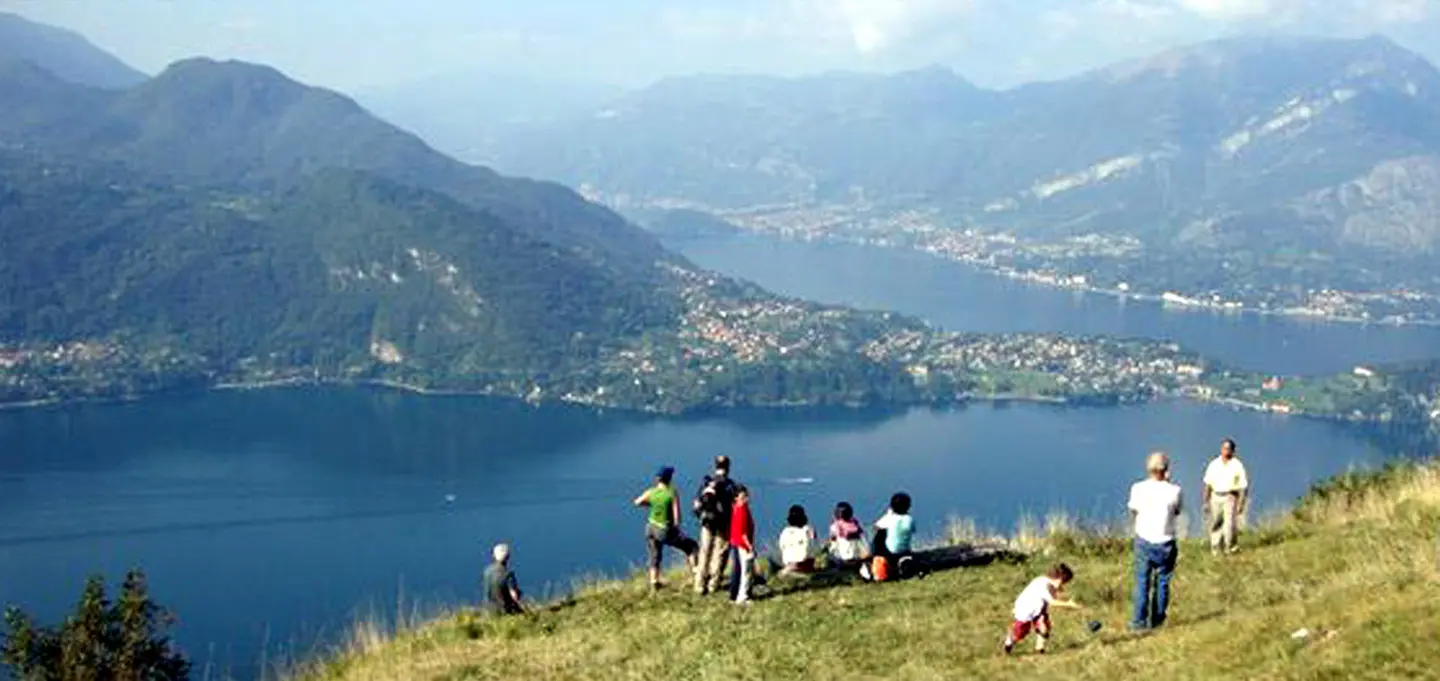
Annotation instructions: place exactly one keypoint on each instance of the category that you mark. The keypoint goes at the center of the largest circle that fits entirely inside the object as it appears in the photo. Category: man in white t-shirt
(1155, 505)
(1226, 494)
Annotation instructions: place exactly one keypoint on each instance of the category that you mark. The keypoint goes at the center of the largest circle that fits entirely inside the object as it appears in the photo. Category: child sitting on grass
(1032, 608)
(795, 542)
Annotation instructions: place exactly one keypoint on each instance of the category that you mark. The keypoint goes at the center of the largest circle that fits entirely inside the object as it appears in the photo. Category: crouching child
(1032, 607)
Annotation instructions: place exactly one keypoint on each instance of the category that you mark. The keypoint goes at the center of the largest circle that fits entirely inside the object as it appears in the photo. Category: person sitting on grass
(894, 533)
(1032, 608)
(795, 542)
(502, 590)
(662, 528)
(847, 535)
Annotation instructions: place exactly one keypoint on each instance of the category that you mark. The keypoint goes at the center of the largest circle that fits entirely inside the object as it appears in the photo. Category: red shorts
(1040, 625)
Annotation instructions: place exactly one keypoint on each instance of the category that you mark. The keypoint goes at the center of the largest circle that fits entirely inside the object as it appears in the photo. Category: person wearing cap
(502, 590)
(712, 506)
(662, 527)
(1226, 494)
(1155, 506)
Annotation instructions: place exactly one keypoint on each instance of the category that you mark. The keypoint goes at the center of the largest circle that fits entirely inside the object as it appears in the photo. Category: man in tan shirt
(1226, 495)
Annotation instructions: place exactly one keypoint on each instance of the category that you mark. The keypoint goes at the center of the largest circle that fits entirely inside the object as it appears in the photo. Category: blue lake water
(961, 298)
(269, 520)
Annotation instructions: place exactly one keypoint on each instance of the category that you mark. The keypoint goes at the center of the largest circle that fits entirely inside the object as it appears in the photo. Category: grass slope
(1355, 563)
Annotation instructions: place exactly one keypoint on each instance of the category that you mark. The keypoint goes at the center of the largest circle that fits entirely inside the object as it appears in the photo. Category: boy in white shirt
(1032, 608)
(1155, 505)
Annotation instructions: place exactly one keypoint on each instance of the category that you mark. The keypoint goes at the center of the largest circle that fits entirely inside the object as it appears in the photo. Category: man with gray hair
(502, 590)
(1155, 506)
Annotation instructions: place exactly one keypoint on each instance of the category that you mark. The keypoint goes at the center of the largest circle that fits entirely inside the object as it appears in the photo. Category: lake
(270, 520)
(961, 298)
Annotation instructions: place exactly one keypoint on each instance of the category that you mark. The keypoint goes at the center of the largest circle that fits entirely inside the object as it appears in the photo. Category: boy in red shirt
(742, 547)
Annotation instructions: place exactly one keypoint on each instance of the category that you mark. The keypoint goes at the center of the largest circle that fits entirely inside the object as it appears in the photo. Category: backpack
(712, 502)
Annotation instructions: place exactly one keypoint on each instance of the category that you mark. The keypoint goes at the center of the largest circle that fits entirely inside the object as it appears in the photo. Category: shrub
(126, 640)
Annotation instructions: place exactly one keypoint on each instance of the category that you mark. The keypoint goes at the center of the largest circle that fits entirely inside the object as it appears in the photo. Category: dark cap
(665, 473)
(722, 463)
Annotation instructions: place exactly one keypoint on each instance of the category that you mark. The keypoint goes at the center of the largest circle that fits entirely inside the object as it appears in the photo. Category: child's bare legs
(1042, 633)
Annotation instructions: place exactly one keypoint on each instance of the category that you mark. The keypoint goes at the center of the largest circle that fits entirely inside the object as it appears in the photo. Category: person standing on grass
(1155, 506)
(662, 527)
(742, 546)
(502, 590)
(1226, 495)
(712, 507)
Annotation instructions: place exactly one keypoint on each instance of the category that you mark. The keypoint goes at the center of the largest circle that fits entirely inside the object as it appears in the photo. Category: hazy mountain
(63, 53)
(238, 125)
(222, 222)
(470, 115)
(1268, 141)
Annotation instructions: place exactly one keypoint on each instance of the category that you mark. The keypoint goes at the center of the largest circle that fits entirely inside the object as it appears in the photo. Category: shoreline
(961, 400)
(1189, 304)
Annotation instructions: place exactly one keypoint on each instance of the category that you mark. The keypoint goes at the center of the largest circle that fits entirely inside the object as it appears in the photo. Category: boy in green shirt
(663, 524)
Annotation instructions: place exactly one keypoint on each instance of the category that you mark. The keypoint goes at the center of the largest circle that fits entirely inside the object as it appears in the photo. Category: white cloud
(866, 27)
(1403, 11)
(1229, 10)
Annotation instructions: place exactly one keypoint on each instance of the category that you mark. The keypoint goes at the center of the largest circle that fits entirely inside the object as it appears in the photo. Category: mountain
(470, 115)
(1254, 143)
(340, 264)
(63, 53)
(237, 125)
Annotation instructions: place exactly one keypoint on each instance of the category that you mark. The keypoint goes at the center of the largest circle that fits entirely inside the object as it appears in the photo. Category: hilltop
(1354, 564)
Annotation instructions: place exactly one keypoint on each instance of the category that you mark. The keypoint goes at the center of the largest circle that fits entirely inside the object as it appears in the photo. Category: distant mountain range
(66, 54)
(1257, 143)
(221, 222)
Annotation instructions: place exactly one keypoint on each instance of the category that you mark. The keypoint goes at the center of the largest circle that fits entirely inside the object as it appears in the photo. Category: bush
(126, 640)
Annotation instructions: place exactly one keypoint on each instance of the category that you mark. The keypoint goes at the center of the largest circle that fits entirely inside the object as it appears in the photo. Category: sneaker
(1233, 550)
(743, 600)
(1008, 646)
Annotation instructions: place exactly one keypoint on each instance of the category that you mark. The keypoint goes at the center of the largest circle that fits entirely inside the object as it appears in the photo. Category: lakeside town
(735, 346)
(1115, 265)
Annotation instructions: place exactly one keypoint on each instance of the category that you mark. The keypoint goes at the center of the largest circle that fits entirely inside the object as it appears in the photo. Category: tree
(125, 640)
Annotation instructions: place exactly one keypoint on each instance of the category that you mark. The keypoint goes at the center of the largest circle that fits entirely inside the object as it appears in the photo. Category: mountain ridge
(65, 53)
(1220, 130)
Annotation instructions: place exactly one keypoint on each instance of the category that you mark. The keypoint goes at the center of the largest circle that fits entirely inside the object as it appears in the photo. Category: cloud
(875, 25)
(1230, 10)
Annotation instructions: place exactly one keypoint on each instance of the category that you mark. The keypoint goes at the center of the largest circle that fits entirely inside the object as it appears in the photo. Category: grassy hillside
(1355, 563)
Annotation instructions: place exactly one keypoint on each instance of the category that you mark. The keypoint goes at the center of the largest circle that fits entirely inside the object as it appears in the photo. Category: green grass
(1356, 565)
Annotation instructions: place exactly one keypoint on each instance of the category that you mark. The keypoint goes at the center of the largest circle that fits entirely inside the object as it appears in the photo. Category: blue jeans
(1154, 564)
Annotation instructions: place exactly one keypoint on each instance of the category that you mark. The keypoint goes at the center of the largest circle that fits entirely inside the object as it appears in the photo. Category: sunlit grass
(1355, 565)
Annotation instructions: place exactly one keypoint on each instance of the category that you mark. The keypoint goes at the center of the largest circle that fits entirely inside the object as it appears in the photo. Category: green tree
(124, 640)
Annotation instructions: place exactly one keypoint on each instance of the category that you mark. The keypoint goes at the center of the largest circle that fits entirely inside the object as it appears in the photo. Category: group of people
(727, 534)
(1155, 506)
(727, 538)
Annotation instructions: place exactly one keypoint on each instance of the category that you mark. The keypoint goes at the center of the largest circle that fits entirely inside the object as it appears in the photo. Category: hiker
(1155, 506)
(502, 590)
(712, 508)
(795, 542)
(1032, 607)
(662, 527)
(847, 535)
(891, 544)
(742, 547)
(1226, 495)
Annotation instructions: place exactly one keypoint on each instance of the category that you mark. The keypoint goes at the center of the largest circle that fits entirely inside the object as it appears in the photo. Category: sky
(359, 45)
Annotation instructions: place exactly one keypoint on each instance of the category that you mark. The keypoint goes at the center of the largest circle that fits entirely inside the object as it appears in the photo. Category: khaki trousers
(1224, 521)
(710, 564)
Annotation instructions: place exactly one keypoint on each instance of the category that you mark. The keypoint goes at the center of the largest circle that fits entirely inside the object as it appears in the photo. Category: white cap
(501, 552)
